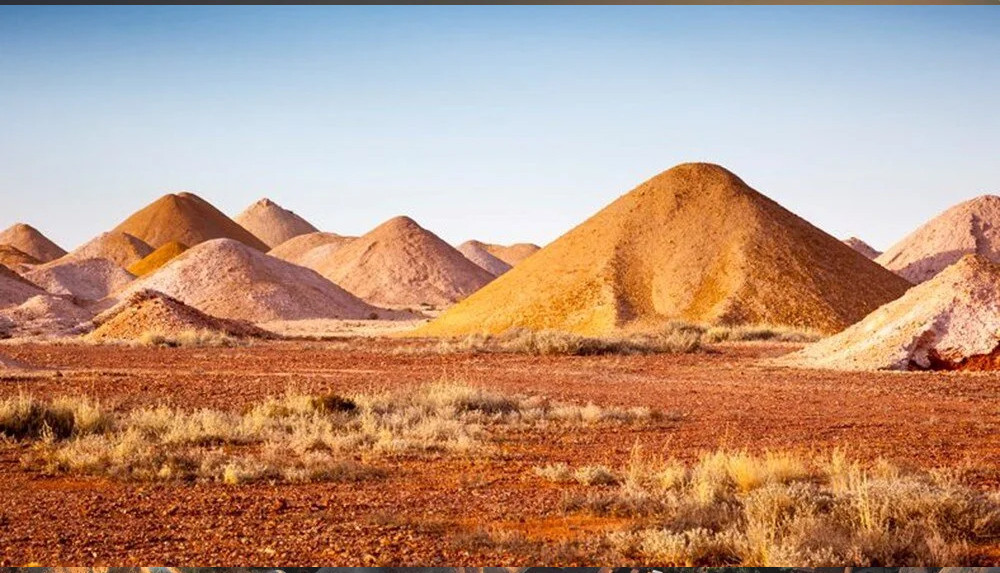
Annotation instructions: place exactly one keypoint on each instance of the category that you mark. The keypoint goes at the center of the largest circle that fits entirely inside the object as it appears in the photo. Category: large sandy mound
(43, 314)
(27, 239)
(512, 254)
(401, 263)
(149, 311)
(15, 289)
(12, 257)
(952, 320)
(969, 227)
(477, 253)
(157, 258)
(185, 218)
(272, 223)
(296, 250)
(85, 279)
(227, 279)
(120, 248)
(862, 247)
(694, 243)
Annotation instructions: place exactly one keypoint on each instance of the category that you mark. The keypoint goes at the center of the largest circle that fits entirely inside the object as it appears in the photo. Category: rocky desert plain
(692, 376)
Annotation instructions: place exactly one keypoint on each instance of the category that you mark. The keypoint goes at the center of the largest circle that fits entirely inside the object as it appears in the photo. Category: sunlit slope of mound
(157, 258)
(272, 223)
(28, 239)
(694, 243)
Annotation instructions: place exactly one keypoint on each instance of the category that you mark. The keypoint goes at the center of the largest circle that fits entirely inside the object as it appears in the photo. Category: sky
(504, 124)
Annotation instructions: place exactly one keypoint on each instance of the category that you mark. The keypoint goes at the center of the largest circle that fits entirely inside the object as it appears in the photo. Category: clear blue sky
(499, 123)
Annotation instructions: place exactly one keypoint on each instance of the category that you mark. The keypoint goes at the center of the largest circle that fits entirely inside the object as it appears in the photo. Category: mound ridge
(272, 223)
(13, 257)
(972, 226)
(296, 250)
(184, 218)
(949, 321)
(694, 243)
(86, 279)
(120, 248)
(512, 254)
(477, 253)
(157, 258)
(28, 239)
(862, 247)
(401, 263)
(227, 279)
(149, 311)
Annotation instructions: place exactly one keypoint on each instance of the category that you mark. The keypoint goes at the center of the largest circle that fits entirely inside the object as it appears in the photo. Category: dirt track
(424, 511)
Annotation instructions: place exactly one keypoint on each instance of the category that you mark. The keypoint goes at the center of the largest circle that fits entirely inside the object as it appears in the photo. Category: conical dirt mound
(185, 218)
(694, 243)
(13, 257)
(512, 254)
(85, 279)
(272, 223)
(862, 247)
(43, 314)
(27, 239)
(120, 248)
(15, 289)
(157, 258)
(295, 250)
(399, 263)
(149, 311)
(227, 279)
(969, 227)
(950, 321)
(477, 253)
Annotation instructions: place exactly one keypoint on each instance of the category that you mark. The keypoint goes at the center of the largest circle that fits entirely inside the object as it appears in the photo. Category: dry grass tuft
(190, 338)
(542, 343)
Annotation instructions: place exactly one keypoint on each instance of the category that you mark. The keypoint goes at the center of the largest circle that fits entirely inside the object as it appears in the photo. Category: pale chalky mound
(694, 243)
(28, 239)
(971, 227)
(15, 289)
(477, 253)
(399, 263)
(950, 321)
(304, 250)
(272, 223)
(43, 314)
(85, 279)
(228, 279)
(120, 248)
(862, 247)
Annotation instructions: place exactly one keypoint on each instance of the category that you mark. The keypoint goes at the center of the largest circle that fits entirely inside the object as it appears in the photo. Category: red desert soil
(421, 510)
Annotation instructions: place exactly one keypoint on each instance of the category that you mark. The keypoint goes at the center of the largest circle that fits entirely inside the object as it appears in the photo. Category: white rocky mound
(228, 279)
(477, 253)
(950, 321)
(272, 223)
(42, 314)
(862, 247)
(969, 227)
(86, 279)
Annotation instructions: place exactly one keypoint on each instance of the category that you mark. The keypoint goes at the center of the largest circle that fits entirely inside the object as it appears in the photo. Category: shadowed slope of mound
(512, 254)
(862, 247)
(272, 223)
(13, 257)
(477, 253)
(15, 289)
(27, 239)
(85, 279)
(305, 249)
(970, 227)
(227, 279)
(694, 243)
(185, 218)
(120, 248)
(950, 321)
(401, 263)
(149, 311)
(157, 258)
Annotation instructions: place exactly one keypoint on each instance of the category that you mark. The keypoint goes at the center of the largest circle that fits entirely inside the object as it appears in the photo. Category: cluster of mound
(12, 257)
(42, 314)
(300, 250)
(187, 219)
(15, 289)
(399, 263)
(85, 279)
(862, 247)
(970, 227)
(950, 321)
(228, 279)
(149, 311)
(157, 258)
(27, 239)
(120, 248)
(694, 243)
(477, 253)
(511, 254)
(272, 223)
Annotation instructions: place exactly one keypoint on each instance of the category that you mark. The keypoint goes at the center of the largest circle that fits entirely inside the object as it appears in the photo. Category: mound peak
(272, 223)
(476, 252)
(186, 218)
(512, 254)
(29, 240)
(304, 249)
(694, 243)
(972, 226)
(120, 248)
(862, 247)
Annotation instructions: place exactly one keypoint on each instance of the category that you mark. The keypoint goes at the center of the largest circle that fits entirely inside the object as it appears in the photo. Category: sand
(399, 263)
(15, 289)
(86, 279)
(512, 254)
(43, 315)
(300, 250)
(227, 279)
(694, 243)
(477, 253)
(157, 258)
(970, 227)
(120, 248)
(862, 247)
(187, 219)
(14, 258)
(27, 239)
(272, 223)
(149, 311)
(949, 321)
